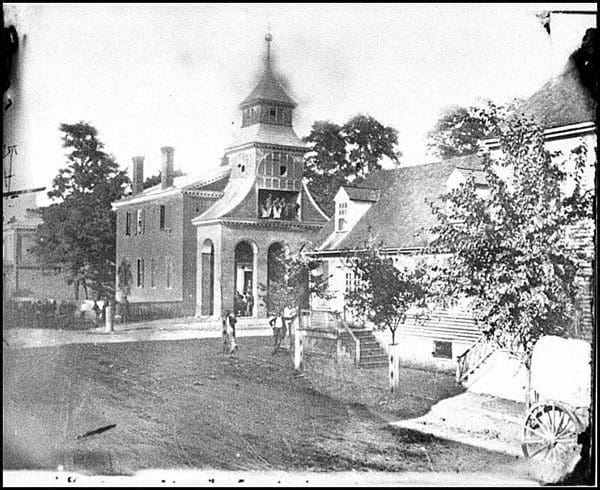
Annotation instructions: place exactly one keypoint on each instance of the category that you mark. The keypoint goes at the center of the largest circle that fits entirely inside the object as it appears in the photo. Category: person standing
(289, 314)
(97, 312)
(278, 325)
(249, 303)
(277, 207)
(238, 304)
(228, 333)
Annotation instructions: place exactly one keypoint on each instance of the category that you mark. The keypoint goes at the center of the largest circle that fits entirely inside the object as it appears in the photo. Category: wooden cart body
(561, 394)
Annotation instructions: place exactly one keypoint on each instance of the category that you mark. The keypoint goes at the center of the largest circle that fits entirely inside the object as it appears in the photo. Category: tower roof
(268, 88)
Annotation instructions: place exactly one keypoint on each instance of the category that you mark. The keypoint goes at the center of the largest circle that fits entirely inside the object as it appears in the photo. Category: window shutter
(143, 221)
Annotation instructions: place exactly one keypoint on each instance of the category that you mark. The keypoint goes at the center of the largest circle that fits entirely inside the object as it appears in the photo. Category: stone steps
(372, 355)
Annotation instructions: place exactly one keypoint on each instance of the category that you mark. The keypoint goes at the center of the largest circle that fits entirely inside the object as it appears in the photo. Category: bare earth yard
(183, 404)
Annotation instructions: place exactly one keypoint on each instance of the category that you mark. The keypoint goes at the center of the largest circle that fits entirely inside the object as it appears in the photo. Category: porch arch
(244, 278)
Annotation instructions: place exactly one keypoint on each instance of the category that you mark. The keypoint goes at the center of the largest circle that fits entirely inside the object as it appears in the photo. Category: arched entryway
(275, 274)
(244, 300)
(207, 279)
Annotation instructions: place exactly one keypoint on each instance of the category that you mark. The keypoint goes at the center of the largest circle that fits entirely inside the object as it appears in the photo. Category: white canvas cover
(561, 370)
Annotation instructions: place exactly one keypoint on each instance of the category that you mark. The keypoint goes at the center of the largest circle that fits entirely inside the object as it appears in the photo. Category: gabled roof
(235, 192)
(562, 101)
(362, 193)
(211, 180)
(268, 89)
(402, 215)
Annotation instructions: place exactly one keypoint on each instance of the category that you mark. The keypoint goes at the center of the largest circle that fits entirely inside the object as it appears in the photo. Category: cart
(561, 398)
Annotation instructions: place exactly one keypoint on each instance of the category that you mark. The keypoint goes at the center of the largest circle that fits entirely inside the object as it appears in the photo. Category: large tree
(298, 278)
(586, 62)
(78, 228)
(346, 154)
(510, 253)
(458, 132)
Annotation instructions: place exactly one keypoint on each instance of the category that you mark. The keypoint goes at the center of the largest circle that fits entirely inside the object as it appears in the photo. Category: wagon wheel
(550, 439)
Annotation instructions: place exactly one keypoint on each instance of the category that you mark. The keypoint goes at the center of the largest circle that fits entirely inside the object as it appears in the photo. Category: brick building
(196, 242)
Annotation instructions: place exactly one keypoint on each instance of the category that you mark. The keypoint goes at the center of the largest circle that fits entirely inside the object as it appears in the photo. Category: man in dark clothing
(279, 328)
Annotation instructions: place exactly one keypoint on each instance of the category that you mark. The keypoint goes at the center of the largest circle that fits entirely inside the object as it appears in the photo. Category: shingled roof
(267, 133)
(362, 194)
(402, 215)
(268, 89)
(562, 101)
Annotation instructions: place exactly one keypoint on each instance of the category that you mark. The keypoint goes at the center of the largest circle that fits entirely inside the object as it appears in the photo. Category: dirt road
(182, 404)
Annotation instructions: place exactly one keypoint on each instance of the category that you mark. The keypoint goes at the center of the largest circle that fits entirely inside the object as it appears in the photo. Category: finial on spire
(268, 38)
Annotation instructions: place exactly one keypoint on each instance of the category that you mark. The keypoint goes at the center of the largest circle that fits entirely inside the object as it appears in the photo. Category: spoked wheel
(550, 439)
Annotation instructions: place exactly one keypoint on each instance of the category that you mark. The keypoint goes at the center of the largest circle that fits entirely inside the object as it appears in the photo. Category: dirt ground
(183, 404)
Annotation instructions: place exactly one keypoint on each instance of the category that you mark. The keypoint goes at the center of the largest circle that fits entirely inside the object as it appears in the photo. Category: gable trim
(312, 201)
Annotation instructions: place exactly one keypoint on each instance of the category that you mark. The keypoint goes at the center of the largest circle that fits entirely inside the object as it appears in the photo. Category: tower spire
(268, 89)
(268, 39)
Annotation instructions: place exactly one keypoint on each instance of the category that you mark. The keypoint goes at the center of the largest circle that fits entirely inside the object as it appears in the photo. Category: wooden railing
(330, 323)
(472, 358)
(354, 345)
(320, 320)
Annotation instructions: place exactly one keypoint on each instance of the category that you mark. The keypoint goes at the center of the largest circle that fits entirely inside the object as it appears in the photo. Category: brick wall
(153, 243)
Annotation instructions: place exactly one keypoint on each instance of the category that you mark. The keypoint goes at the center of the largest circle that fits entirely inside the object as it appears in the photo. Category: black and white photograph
(299, 244)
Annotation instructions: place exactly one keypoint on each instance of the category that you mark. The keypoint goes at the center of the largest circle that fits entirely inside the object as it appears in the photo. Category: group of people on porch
(243, 304)
(279, 208)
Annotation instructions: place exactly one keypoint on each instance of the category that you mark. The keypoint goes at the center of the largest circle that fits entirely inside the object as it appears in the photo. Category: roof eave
(554, 133)
(257, 100)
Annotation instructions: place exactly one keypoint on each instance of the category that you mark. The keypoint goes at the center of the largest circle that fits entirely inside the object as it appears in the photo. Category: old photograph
(299, 244)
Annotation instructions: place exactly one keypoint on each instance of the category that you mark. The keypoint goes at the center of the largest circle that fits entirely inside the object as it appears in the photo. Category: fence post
(298, 350)
(110, 318)
(394, 367)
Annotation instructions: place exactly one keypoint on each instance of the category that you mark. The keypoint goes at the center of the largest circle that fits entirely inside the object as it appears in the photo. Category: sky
(153, 75)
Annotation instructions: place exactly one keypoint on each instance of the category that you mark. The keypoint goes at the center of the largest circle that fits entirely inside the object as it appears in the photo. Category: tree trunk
(528, 401)
(299, 315)
(85, 289)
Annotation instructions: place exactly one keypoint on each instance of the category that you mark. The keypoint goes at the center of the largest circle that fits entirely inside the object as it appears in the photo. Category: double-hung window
(163, 217)
(140, 222)
(140, 273)
(342, 213)
(127, 223)
(169, 271)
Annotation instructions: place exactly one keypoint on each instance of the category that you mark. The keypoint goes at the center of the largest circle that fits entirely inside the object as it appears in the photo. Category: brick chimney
(137, 181)
(166, 174)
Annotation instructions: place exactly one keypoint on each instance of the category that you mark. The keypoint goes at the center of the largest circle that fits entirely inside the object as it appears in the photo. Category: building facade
(203, 242)
(265, 207)
(389, 207)
(392, 208)
(25, 275)
(155, 237)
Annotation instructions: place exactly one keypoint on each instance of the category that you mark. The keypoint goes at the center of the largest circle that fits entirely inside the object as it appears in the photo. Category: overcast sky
(152, 75)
